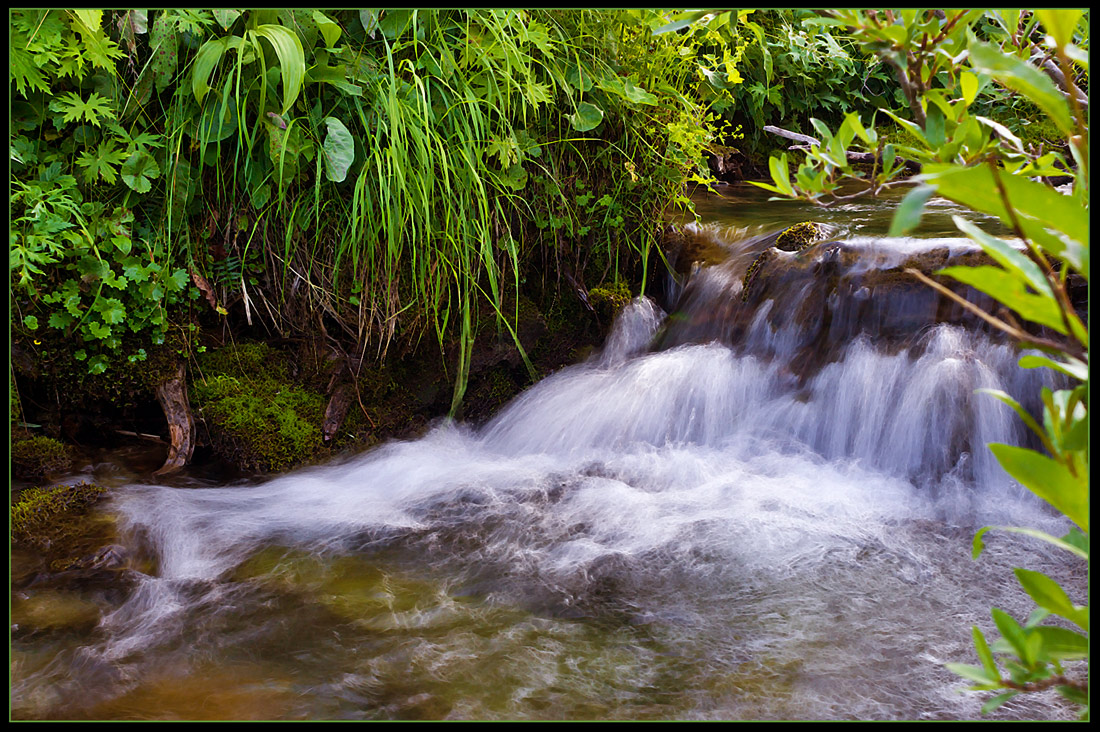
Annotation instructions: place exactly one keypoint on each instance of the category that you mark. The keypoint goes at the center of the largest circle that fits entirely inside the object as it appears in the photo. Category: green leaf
(1048, 479)
(339, 150)
(74, 109)
(139, 172)
(683, 21)
(111, 309)
(1007, 256)
(330, 31)
(206, 60)
(1061, 644)
(1071, 367)
(997, 701)
(31, 322)
(1049, 595)
(984, 654)
(292, 60)
(60, 320)
(226, 17)
(1025, 79)
(587, 117)
(1014, 635)
(1009, 289)
(636, 94)
(969, 84)
(974, 673)
(1018, 408)
(1060, 23)
(164, 45)
(908, 214)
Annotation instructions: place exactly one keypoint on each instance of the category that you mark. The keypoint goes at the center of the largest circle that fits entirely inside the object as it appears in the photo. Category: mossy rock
(610, 299)
(36, 457)
(43, 517)
(792, 239)
(256, 418)
(800, 236)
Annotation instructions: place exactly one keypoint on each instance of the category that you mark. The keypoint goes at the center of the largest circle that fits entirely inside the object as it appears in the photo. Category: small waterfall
(708, 519)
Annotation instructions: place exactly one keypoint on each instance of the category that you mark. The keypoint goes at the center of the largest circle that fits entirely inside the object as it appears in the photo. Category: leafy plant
(974, 160)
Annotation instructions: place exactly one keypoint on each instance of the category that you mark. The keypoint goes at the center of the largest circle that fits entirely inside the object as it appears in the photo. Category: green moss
(43, 516)
(257, 419)
(609, 299)
(37, 457)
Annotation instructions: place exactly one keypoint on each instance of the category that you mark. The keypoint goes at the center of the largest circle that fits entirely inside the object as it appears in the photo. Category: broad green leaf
(1060, 644)
(206, 60)
(1017, 407)
(781, 174)
(974, 673)
(984, 654)
(1007, 256)
(579, 77)
(339, 149)
(969, 83)
(226, 17)
(164, 45)
(1060, 23)
(139, 172)
(908, 214)
(975, 187)
(1014, 635)
(369, 19)
(636, 94)
(1004, 132)
(1048, 479)
(997, 701)
(1049, 595)
(682, 22)
(31, 322)
(330, 31)
(587, 117)
(1025, 79)
(92, 19)
(111, 309)
(292, 59)
(1010, 289)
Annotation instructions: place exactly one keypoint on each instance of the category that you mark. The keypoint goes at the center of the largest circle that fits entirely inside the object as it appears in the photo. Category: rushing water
(691, 531)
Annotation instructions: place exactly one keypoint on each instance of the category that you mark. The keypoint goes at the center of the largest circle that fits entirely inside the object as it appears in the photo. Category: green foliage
(973, 160)
(395, 170)
(89, 256)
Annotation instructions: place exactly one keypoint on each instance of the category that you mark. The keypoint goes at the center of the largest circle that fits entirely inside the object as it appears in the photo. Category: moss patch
(609, 298)
(37, 457)
(44, 516)
(256, 418)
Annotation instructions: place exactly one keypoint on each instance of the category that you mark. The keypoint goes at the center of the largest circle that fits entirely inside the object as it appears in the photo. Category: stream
(695, 523)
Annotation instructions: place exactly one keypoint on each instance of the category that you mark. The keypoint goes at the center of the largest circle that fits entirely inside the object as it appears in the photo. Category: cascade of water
(735, 517)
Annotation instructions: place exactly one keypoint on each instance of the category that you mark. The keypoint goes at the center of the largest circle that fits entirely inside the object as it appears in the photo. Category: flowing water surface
(680, 527)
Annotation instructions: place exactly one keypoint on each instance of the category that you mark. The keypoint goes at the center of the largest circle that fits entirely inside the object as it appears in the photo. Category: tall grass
(467, 171)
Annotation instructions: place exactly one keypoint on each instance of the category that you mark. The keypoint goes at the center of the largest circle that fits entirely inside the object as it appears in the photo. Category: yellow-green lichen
(37, 457)
(41, 515)
(798, 237)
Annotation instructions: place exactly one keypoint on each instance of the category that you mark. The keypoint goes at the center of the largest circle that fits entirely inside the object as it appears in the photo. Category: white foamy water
(689, 533)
